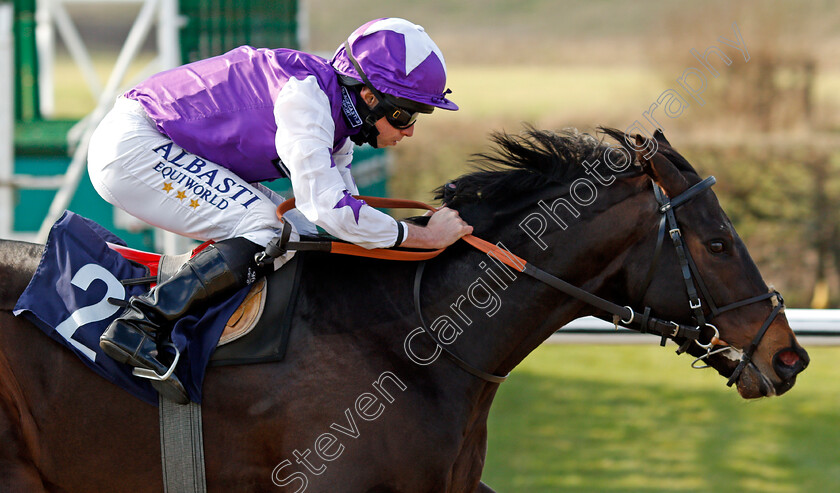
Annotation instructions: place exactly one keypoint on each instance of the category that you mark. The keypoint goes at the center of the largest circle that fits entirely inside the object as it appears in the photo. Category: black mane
(535, 159)
(523, 163)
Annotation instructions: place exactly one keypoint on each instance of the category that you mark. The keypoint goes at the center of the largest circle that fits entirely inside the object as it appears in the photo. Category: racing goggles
(399, 118)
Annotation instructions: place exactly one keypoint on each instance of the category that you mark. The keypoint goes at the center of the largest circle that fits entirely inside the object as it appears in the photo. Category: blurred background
(768, 129)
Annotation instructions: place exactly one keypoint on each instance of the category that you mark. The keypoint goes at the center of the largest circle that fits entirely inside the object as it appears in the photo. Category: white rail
(803, 321)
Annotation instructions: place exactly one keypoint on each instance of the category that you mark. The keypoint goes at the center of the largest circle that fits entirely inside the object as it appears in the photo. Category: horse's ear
(642, 145)
(660, 137)
(660, 168)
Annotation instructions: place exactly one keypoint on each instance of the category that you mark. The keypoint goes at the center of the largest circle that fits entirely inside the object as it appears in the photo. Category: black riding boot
(136, 336)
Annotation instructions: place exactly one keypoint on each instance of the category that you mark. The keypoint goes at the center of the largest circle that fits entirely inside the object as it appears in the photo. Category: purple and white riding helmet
(397, 58)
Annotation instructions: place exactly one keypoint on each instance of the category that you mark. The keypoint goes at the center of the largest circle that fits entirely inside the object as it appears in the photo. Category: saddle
(245, 340)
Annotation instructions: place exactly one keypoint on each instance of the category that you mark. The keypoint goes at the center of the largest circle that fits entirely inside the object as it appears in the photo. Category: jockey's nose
(408, 132)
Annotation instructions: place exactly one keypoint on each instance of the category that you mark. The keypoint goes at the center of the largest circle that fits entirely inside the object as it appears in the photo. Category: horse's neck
(508, 318)
(512, 313)
(499, 315)
(18, 261)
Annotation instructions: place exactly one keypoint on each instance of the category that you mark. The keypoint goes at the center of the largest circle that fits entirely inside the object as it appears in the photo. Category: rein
(627, 316)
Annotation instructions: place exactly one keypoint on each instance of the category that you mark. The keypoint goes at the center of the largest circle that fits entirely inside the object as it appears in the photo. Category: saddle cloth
(69, 298)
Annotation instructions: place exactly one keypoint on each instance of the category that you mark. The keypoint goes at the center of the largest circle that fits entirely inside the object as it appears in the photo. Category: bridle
(693, 280)
(626, 316)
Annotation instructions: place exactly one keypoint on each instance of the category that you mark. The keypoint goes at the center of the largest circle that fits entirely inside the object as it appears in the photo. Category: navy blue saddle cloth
(75, 294)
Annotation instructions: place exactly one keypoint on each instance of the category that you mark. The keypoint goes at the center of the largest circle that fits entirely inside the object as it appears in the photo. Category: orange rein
(408, 255)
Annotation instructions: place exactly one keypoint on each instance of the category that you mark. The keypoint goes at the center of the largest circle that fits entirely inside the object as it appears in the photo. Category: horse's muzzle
(788, 363)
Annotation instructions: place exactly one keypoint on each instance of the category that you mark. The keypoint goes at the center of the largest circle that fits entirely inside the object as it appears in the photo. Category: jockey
(185, 150)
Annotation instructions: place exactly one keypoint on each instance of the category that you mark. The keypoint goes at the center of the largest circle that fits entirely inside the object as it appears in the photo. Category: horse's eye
(717, 246)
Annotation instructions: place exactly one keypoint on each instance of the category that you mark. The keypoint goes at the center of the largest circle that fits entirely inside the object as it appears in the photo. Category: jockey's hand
(444, 228)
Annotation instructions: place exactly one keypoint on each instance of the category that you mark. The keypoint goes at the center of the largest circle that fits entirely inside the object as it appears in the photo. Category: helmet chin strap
(368, 132)
(366, 137)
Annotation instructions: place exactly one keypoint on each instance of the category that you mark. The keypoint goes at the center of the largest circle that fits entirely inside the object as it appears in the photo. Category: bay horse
(361, 403)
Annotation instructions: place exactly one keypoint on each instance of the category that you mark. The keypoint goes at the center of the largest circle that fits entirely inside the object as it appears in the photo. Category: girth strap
(181, 447)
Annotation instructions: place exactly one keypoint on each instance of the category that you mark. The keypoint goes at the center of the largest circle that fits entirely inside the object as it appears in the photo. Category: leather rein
(622, 315)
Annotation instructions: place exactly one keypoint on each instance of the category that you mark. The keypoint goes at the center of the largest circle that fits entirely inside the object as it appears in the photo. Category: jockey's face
(388, 135)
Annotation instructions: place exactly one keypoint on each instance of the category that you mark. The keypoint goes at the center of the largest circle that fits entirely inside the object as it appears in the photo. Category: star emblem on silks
(167, 187)
(417, 47)
(193, 203)
(181, 195)
(351, 202)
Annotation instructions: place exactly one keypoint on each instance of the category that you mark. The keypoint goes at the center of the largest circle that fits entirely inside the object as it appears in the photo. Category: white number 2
(92, 313)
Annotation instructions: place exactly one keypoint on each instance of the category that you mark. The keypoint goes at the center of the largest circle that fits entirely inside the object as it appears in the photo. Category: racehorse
(361, 402)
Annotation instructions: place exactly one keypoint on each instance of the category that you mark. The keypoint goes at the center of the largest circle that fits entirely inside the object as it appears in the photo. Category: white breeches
(136, 168)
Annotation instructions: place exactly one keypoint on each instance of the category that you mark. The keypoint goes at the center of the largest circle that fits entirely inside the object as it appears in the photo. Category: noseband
(693, 280)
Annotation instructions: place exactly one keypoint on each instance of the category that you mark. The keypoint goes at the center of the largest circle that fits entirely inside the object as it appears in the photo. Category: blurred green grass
(587, 418)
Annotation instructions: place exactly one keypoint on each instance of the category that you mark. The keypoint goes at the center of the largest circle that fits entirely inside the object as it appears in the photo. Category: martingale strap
(489, 377)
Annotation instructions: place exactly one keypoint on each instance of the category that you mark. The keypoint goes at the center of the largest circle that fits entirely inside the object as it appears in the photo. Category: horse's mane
(530, 161)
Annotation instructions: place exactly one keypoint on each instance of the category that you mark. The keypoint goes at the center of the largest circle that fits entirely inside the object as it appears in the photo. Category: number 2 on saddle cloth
(68, 299)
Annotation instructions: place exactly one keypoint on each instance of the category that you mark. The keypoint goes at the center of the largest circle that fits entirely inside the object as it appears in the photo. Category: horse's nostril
(788, 357)
(789, 362)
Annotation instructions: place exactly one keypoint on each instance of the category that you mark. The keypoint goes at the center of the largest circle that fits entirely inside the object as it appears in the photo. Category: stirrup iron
(152, 375)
